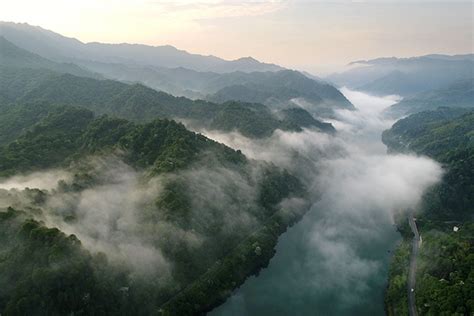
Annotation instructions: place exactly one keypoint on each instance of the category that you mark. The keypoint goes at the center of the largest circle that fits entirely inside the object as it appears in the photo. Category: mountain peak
(56, 47)
(247, 59)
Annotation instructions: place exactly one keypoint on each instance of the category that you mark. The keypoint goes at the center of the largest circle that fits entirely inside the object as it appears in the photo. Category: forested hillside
(188, 243)
(171, 70)
(149, 211)
(139, 103)
(182, 81)
(236, 158)
(67, 132)
(276, 89)
(445, 135)
(279, 90)
(445, 280)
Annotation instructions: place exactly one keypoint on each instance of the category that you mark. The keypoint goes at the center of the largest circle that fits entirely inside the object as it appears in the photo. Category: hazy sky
(312, 35)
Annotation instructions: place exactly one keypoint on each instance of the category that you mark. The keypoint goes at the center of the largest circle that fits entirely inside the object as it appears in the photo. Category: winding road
(412, 271)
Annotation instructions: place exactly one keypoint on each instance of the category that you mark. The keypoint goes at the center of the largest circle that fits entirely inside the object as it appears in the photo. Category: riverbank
(247, 259)
(395, 298)
(335, 261)
(416, 243)
(444, 266)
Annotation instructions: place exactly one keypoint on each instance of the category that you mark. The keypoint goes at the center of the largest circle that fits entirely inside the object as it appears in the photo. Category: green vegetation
(277, 90)
(15, 120)
(160, 215)
(447, 136)
(45, 272)
(445, 283)
(262, 87)
(445, 278)
(251, 120)
(28, 79)
(47, 144)
(273, 89)
(64, 278)
(213, 287)
(301, 117)
(139, 103)
(67, 133)
(396, 301)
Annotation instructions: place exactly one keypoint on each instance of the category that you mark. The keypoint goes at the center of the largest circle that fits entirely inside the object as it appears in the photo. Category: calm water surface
(335, 260)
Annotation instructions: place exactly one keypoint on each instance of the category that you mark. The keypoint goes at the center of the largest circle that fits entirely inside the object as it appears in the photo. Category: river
(335, 260)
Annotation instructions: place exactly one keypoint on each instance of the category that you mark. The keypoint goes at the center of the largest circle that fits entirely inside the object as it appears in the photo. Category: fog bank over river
(335, 260)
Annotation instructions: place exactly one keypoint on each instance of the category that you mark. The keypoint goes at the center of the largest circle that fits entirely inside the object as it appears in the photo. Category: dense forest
(195, 239)
(445, 283)
(114, 202)
(279, 90)
(139, 103)
(190, 218)
(131, 213)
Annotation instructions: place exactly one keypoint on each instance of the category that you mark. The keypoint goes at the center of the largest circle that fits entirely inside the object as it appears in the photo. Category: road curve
(412, 271)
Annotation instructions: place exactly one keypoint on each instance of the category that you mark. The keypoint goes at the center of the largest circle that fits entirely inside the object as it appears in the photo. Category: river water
(335, 260)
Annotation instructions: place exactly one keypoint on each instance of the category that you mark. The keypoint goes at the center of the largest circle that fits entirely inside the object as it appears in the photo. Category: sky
(316, 36)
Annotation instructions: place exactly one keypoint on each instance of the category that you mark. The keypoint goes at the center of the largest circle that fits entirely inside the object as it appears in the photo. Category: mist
(118, 214)
(41, 180)
(335, 260)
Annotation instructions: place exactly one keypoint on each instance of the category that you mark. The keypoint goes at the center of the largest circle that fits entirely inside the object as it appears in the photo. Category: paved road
(412, 271)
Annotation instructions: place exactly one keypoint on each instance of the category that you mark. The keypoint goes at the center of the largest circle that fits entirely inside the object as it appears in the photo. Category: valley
(148, 180)
(336, 259)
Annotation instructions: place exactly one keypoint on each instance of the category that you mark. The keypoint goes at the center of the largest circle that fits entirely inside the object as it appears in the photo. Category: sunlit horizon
(337, 32)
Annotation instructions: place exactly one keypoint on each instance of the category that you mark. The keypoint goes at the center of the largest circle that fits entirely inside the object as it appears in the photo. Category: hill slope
(13, 56)
(180, 73)
(280, 90)
(444, 276)
(275, 89)
(142, 228)
(457, 94)
(136, 102)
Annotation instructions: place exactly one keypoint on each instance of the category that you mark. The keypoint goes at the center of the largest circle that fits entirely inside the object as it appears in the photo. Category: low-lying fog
(335, 261)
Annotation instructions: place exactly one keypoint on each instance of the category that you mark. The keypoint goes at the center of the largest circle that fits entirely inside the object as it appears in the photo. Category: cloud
(338, 252)
(223, 197)
(106, 216)
(41, 180)
(117, 212)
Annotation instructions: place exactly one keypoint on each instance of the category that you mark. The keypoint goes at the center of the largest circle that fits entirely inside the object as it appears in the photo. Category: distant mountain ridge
(139, 103)
(389, 60)
(13, 56)
(180, 73)
(458, 94)
(273, 88)
(405, 76)
(60, 48)
(281, 89)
